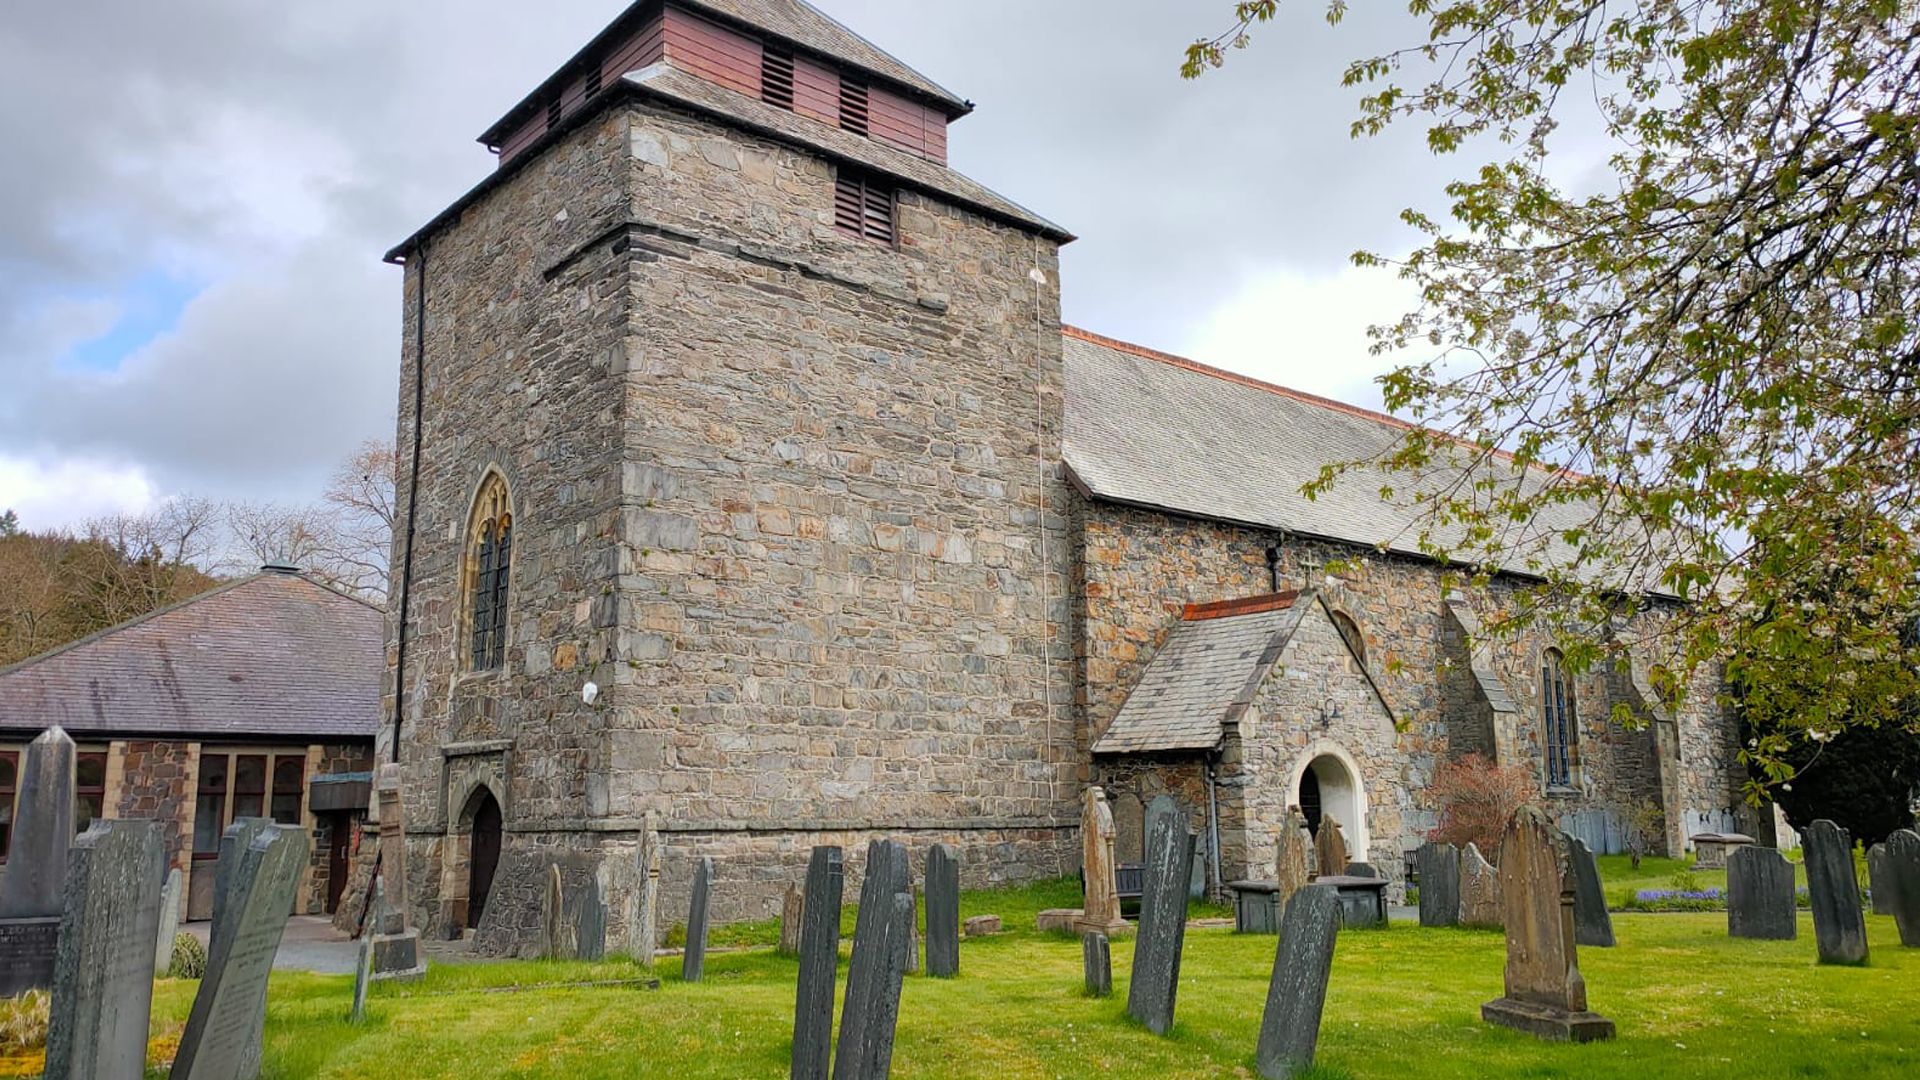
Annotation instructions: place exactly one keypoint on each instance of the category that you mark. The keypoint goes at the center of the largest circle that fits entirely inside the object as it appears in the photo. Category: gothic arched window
(1350, 632)
(489, 560)
(1557, 719)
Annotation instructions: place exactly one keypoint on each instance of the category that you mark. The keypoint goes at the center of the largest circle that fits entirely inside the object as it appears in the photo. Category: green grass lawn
(1689, 1002)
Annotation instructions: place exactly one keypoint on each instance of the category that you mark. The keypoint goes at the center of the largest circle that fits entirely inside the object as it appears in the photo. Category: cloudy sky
(196, 195)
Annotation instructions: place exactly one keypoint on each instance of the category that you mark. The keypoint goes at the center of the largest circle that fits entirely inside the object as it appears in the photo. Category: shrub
(23, 1021)
(189, 958)
(1477, 798)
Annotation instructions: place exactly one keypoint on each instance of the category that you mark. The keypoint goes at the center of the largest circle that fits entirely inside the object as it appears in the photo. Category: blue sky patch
(150, 305)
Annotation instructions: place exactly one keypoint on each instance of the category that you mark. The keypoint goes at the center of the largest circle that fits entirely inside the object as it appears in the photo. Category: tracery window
(1557, 719)
(489, 561)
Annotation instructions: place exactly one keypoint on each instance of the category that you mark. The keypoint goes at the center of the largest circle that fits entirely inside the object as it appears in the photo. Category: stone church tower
(730, 424)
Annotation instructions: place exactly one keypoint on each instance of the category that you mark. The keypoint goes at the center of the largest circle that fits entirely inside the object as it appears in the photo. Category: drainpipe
(419, 254)
(1213, 833)
(1273, 568)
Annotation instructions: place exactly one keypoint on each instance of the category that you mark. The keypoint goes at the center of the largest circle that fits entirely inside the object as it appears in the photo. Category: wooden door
(485, 856)
(339, 857)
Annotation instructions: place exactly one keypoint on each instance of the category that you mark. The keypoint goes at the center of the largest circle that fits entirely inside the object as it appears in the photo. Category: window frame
(82, 817)
(1348, 628)
(230, 793)
(9, 794)
(1559, 723)
(486, 593)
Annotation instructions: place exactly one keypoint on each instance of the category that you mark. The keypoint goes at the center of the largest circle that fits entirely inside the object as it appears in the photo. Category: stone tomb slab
(1760, 901)
(103, 982)
(1363, 900)
(1297, 992)
(224, 1029)
(1439, 884)
(1256, 906)
(1839, 927)
(1155, 985)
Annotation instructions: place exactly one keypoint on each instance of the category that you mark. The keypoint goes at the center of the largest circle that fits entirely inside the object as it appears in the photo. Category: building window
(249, 786)
(242, 784)
(1557, 718)
(490, 561)
(289, 784)
(89, 788)
(1350, 633)
(863, 207)
(9, 787)
(210, 806)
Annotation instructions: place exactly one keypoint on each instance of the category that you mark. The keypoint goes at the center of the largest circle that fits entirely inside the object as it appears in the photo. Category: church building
(754, 492)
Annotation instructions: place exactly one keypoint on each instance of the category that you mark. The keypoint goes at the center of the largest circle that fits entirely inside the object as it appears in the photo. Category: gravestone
(1760, 901)
(644, 937)
(1295, 866)
(1096, 958)
(793, 911)
(1168, 850)
(1545, 993)
(913, 930)
(1903, 877)
(1591, 923)
(102, 983)
(33, 886)
(1479, 891)
(1439, 884)
(982, 925)
(363, 968)
(169, 924)
(1839, 929)
(224, 1028)
(881, 933)
(943, 912)
(590, 923)
(1100, 907)
(819, 958)
(557, 933)
(1363, 869)
(1879, 886)
(1256, 907)
(235, 840)
(693, 963)
(1329, 848)
(397, 952)
(1297, 992)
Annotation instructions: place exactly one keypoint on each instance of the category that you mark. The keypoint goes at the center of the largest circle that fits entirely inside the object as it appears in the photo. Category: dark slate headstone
(1591, 923)
(1760, 901)
(1096, 957)
(590, 923)
(170, 897)
(224, 1029)
(1879, 884)
(1363, 869)
(694, 963)
(819, 959)
(1903, 879)
(103, 981)
(882, 933)
(943, 912)
(1297, 993)
(1155, 984)
(234, 842)
(34, 883)
(1839, 929)
(1439, 884)
(363, 969)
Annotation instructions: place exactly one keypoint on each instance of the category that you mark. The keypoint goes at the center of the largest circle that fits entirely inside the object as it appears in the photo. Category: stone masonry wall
(156, 783)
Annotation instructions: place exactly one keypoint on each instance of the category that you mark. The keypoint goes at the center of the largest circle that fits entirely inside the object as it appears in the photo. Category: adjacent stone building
(259, 698)
(751, 482)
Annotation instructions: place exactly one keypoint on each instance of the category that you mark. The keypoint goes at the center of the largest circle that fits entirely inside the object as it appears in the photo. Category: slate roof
(1204, 675)
(809, 27)
(1155, 430)
(272, 655)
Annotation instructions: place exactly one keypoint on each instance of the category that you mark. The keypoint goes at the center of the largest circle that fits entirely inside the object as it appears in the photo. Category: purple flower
(1651, 895)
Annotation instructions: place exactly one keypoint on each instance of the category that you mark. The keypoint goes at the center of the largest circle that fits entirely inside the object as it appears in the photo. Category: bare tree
(139, 562)
(359, 504)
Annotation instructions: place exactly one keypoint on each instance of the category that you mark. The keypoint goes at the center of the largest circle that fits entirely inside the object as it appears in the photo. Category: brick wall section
(156, 783)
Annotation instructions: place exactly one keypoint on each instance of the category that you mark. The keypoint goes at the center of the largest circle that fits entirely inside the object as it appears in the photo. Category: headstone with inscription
(793, 914)
(1329, 848)
(1439, 884)
(224, 1029)
(1297, 992)
(1546, 996)
(1100, 892)
(34, 883)
(590, 922)
(235, 839)
(881, 936)
(102, 983)
(170, 900)
(1295, 866)
(1760, 894)
(1096, 960)
(943, 912)
(363, 968)
(1839, 929)
(1903, 876)
(693, 964)
(1879, 885)
(397, 952)
(819, 947)
(1155, 985)
(1479, 891)
(1591, 923)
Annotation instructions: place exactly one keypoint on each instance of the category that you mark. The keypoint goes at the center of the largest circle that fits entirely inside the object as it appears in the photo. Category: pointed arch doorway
(483, 854)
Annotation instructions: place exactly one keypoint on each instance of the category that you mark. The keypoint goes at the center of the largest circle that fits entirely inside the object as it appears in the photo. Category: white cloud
(63, 494)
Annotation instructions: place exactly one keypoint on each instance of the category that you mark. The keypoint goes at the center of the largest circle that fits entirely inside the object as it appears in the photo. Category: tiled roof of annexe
(272, 655)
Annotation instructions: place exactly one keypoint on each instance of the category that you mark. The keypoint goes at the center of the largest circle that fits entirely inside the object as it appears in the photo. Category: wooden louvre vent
(776, 78)
(863, 206)
(853, 105)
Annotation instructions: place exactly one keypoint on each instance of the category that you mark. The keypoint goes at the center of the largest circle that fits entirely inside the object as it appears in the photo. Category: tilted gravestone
(1096, 960)
(1545, 993)
(558, 939)
(1903, 878)
(1439, 884)
(1329, 848)
(1760, 902)
(1479, 891)
(943, 912)
(819, 958)
(234, 842)
(102, 981)
(169, 923)
(1155, 984)
(33, 886)
(1295, 866)
(1297, 993)
(881, 935)
(1591, 923)
(643, 935)
(793, 916)
(363, 968)
(693, 964)
(1100, 892)
(1839, 929)
(1879, 886)
(224, 1028)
